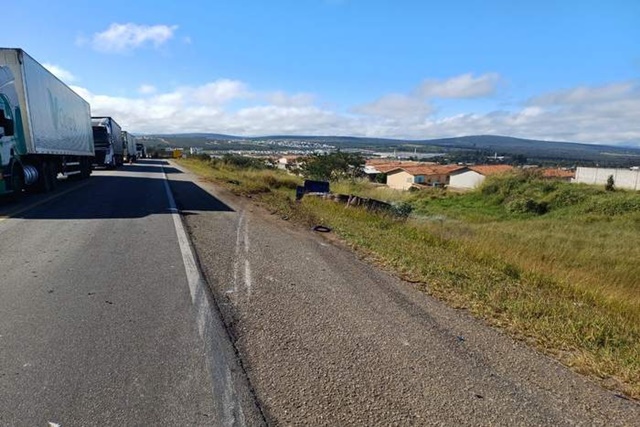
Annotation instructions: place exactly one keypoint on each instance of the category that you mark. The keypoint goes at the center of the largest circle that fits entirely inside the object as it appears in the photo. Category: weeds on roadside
(551, 262)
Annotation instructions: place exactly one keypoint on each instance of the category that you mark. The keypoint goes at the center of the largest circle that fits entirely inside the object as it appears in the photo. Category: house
(470, 177)
(288, 162)
(377, 166)
(403, 178)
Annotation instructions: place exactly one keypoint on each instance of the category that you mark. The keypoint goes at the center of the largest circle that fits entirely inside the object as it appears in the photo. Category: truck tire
(47, 178)
(40, 186)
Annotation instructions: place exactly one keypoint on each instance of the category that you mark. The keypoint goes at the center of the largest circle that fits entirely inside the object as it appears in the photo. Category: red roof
(487, 170)
(387, 166)
(429, 170)
(558, 173)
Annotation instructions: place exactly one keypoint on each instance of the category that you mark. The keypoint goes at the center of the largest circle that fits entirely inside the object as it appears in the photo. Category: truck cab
(9, 164)
(108, 142)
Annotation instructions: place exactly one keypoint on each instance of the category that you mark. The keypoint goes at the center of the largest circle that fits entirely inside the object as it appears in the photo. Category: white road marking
(247, 275)
(236, 261)
(222, 382)
(242, 256)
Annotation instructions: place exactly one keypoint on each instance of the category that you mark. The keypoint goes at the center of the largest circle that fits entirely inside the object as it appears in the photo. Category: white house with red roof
(470, 177)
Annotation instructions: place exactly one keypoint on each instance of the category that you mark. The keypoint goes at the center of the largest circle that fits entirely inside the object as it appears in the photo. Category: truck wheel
(42, 184)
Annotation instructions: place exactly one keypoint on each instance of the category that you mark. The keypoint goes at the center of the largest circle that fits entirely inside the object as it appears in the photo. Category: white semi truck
(130, 146)
(109, 145)
(45, 127)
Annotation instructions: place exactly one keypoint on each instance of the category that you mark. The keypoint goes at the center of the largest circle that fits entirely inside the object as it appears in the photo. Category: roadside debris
(321, 229)
(312, 187)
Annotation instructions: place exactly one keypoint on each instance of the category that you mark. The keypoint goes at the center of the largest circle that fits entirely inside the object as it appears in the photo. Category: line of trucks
(46, 129)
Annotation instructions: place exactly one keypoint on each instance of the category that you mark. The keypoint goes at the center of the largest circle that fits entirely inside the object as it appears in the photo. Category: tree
(332, 167)
(519, 160)
(610, 185)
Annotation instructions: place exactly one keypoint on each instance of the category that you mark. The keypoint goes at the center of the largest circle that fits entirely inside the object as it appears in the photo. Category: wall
(623, 178)
(401, 180)
(468, 179)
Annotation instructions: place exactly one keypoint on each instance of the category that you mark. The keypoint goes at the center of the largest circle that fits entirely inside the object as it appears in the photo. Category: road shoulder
(328, 338)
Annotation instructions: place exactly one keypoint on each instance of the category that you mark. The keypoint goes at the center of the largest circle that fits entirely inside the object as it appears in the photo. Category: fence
(623, 178)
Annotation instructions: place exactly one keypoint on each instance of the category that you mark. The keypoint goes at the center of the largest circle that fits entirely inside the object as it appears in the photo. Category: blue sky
(556, 70)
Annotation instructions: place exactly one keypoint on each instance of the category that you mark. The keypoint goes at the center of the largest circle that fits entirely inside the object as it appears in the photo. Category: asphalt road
(328, 339)
(105, 320)
(101, 323)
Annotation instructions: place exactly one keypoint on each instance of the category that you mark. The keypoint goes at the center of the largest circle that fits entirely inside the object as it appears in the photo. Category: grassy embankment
(555, 264)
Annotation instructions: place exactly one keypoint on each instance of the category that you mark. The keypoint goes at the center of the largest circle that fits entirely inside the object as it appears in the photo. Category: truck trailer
(109, 145)
(131, 147)
(45, 127)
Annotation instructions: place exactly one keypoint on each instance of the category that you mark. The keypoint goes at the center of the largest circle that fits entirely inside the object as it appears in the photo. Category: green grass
(566, 281)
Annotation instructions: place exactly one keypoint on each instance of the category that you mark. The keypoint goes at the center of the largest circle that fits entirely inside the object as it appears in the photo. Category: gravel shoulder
(328, 339)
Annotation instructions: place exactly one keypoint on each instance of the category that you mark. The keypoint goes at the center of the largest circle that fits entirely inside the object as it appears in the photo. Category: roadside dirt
(328, 339)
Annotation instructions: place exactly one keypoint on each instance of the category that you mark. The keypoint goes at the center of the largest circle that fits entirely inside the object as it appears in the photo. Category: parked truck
(45, 127)
(107, 138)
(131, 150)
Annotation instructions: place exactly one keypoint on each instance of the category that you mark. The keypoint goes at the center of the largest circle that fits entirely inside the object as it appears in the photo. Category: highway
(97, 322)
(115, 310)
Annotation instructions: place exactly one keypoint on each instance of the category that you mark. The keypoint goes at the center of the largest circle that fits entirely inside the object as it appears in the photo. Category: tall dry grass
(555, 264)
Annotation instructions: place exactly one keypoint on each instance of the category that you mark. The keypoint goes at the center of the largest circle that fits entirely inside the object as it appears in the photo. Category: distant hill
(196, 136)
(537, 149)
(502, 145)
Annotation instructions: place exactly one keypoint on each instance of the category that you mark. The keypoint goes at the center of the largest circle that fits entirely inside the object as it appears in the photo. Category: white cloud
(206, 108)
(586, 94)
(147, 89)
(220, 91)
(282, 99)
(463, 86)
(120, 38)
(585, 114)
(60, 72)
(211, 107)
(396, 106)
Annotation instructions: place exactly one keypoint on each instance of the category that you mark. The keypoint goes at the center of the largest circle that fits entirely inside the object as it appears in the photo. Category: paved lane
(97, 325)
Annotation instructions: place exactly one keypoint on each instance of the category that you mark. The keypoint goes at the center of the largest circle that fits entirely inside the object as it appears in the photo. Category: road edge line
(212, 330)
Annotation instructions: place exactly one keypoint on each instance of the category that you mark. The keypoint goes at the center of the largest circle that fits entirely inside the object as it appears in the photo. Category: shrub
(610, 185)
(279, 180)
(527, 206)
(568, 195)
(244, 162)
(201, 156)
(333, 166)
(618, 204)
(403, 209)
